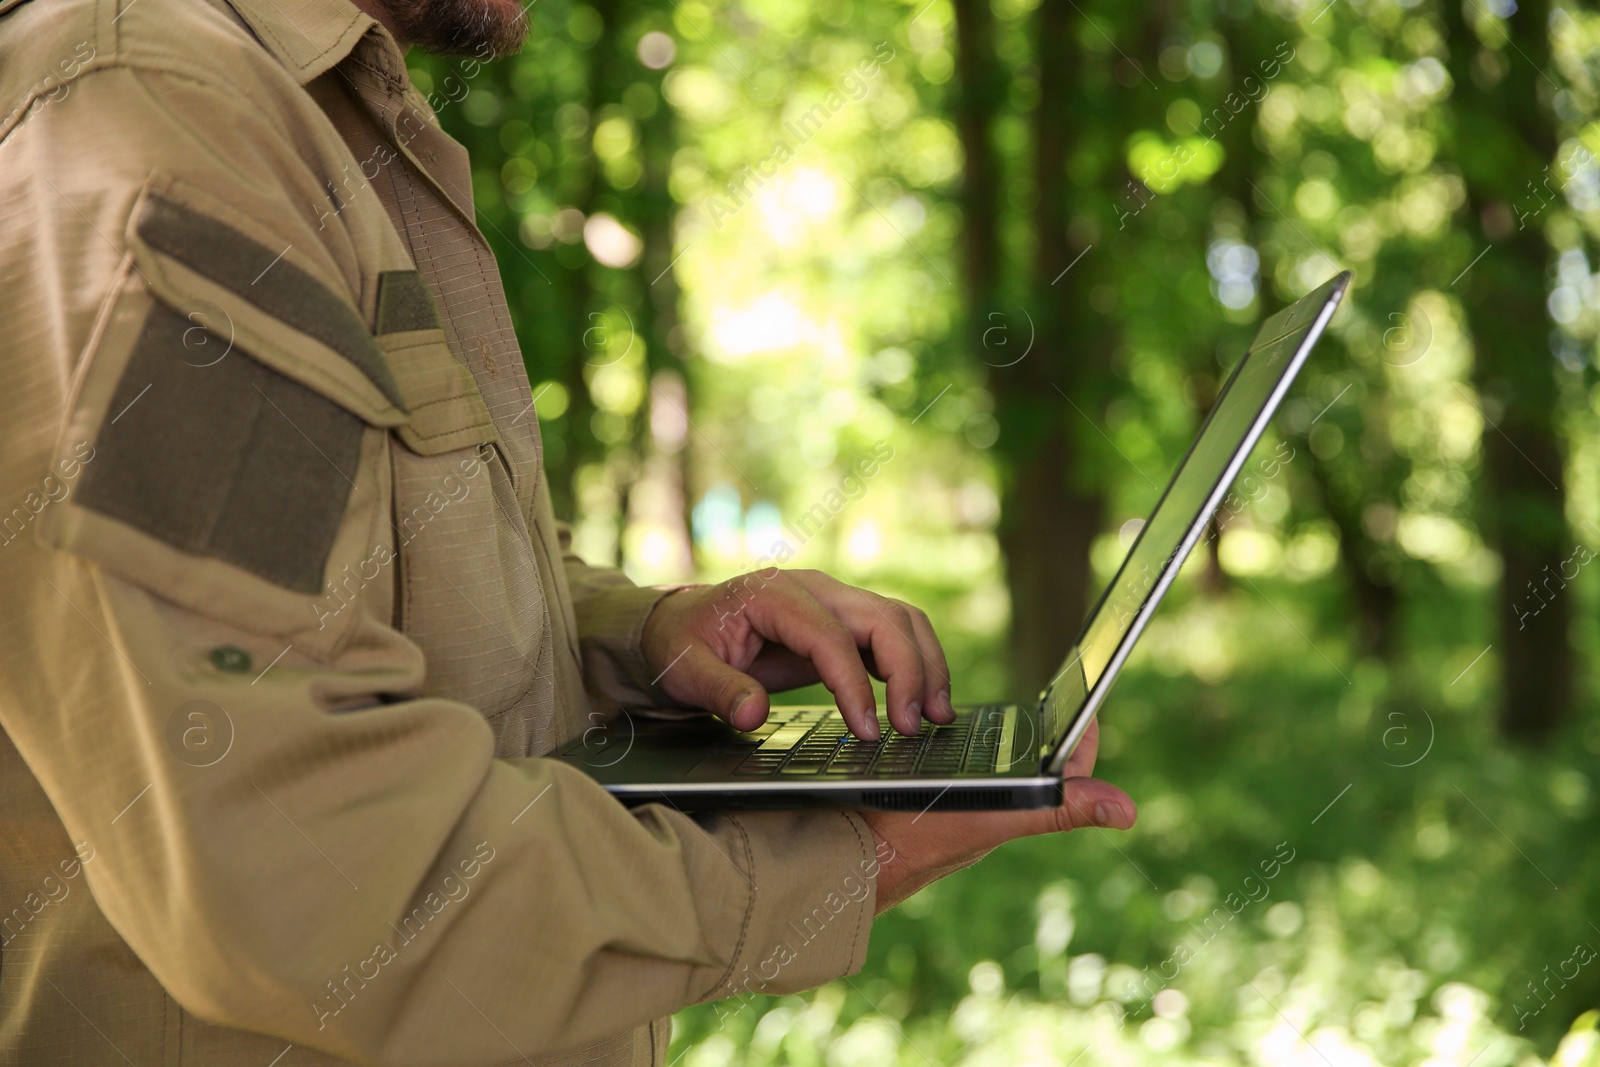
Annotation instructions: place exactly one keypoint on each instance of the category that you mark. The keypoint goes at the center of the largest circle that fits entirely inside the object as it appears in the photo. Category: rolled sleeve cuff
(813, 893)
(610, 636)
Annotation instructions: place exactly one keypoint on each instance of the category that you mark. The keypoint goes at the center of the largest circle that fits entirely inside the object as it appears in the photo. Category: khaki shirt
(288, 621)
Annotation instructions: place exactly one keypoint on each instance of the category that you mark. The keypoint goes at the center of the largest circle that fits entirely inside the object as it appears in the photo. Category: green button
(230, 658)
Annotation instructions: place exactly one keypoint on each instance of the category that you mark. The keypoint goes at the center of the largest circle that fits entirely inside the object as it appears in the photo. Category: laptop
(993, 757)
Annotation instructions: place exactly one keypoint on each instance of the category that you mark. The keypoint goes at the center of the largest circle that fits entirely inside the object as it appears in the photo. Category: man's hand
(725, 647)
(920, 849)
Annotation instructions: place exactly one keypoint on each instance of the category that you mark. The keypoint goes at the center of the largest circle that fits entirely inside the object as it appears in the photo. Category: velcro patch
(267, 279)
(226, 459)
(404, 303)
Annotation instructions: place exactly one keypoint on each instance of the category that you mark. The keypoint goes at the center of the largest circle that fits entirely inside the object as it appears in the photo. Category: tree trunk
(1045, 535)
(980, 95)
(1051, 403)
(1373, 592)
(1505, 142)
(1045, 530)
(663, 436)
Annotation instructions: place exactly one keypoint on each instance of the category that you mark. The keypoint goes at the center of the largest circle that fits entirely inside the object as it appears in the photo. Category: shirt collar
(311, 37)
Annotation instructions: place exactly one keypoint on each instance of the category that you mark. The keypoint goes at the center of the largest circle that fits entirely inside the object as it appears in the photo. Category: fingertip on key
(746, 713)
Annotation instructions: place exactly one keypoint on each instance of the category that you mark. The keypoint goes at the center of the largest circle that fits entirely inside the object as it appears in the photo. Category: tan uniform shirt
(287, 618)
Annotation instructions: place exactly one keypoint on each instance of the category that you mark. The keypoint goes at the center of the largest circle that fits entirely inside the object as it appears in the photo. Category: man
(289, 621)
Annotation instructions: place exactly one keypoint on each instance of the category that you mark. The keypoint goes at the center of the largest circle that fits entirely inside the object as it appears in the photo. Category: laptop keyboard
(813, 741)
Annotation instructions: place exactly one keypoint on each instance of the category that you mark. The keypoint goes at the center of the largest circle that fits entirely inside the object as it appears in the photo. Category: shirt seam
(749, 912)
(861, 844)
(283, 49)
(140, 67)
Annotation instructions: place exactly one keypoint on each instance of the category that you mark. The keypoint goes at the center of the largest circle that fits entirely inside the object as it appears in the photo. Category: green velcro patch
(226, 459)
(404, 303)
(265, 278)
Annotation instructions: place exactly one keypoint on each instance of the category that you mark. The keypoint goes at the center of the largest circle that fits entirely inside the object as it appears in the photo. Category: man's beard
(482, 28)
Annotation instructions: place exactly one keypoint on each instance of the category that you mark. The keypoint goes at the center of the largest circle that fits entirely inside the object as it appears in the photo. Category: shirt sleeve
(290, 836)
(611, 612)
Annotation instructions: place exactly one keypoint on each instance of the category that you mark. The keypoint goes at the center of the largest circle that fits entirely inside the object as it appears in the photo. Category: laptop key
(786, 736)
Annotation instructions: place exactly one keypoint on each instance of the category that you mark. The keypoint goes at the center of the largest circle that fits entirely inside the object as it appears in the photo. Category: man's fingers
(1090, 802)
(887, 628)
(1085, 802)
(707, 682)
(778, 669)
(1081, 763)
(894, 652)
(936, 704)
(785, 612)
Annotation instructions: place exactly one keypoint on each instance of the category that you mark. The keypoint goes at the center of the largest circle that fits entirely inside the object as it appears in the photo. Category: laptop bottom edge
(1000, 793)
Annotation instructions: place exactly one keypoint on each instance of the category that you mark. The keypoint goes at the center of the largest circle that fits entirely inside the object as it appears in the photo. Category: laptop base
(697, 762)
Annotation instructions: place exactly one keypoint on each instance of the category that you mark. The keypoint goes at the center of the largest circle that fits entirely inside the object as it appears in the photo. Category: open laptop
(995, 756)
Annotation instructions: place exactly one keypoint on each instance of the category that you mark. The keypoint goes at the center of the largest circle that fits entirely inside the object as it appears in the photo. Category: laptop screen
(1248, 398)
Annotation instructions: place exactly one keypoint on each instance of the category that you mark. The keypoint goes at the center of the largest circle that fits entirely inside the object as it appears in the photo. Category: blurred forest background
(1015, 246)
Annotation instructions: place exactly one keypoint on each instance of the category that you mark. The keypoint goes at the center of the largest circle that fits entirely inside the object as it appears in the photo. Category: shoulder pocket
(231, 424)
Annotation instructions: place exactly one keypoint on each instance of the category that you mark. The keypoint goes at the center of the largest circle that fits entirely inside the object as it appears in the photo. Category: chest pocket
(469, 591)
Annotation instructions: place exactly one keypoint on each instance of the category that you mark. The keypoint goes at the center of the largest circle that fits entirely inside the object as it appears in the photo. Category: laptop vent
(936, 799)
